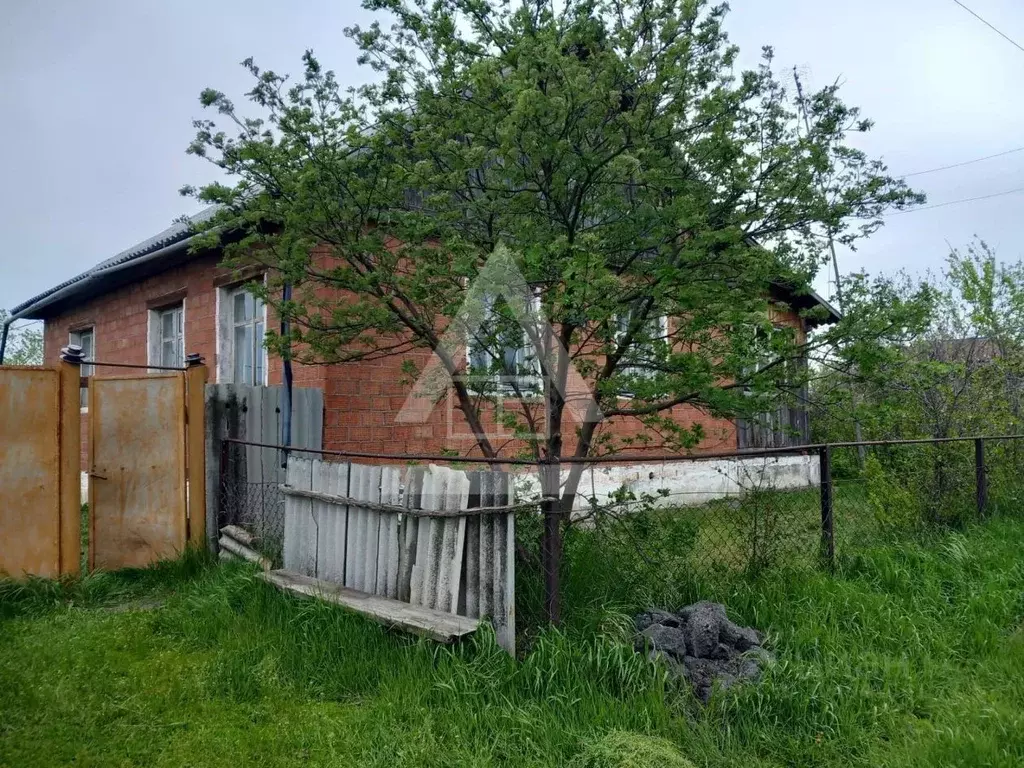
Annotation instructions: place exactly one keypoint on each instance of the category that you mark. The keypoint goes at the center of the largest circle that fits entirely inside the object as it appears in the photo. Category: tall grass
(910, 655)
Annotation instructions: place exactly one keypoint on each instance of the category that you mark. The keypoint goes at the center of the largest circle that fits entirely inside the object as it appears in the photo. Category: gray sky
(98, 99)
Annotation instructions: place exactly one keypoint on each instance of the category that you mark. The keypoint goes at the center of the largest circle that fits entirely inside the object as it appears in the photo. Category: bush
(895, 507)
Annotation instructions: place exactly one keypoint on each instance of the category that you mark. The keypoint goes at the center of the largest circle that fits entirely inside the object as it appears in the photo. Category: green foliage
(897, 508)
(957, 371)
(909, 656)
(619, 749)
(610, 145)
(618, 560)
(24, 343)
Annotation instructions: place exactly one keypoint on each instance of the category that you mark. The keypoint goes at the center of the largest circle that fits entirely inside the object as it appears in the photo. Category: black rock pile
(700, 644)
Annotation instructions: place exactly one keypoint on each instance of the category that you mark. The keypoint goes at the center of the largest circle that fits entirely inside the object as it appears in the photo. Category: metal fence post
(222, 486)
(828, 541)
(551, 544)
(980, 476)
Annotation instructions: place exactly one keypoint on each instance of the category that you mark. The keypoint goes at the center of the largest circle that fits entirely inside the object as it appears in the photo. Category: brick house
(156, 301)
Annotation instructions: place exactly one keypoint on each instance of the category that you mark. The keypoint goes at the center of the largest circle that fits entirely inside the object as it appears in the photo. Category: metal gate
(139, 437)
(39, 488)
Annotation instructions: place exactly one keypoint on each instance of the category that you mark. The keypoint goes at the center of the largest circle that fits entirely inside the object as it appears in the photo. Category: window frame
(155, 338)
(639, 371)
(529, 385)
(226, 325)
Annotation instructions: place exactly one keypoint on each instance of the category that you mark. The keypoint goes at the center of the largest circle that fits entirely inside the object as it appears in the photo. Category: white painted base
(684, 483)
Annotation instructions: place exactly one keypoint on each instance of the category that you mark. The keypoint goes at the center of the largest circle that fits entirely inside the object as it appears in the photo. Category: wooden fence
(408, 542)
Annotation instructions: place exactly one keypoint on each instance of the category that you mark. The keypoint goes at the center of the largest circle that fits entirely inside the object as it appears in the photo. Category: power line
(990, 26)
(957, 202)
(966, 162)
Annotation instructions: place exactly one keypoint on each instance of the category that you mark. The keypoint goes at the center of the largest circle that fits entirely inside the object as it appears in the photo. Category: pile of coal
(700, 644)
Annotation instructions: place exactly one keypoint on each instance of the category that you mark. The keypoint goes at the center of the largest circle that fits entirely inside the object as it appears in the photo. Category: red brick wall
(361, 400)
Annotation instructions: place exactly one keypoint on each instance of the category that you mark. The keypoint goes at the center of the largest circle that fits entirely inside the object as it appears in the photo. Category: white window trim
(153, 332)
(225, 346)
(75, 337)
(505, 388)
(635, 370)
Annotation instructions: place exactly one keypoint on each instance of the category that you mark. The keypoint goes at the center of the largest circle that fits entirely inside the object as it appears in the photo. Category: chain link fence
(658, 519)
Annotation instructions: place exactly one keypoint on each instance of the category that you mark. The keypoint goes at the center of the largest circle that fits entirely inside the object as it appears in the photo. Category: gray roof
(174, 240)
(173, 243)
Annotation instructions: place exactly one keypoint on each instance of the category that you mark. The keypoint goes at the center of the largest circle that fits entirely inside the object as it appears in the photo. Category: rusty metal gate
(39, 484)
(139, 441)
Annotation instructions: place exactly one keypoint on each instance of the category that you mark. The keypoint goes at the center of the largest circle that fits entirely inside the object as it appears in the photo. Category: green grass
(911, 655)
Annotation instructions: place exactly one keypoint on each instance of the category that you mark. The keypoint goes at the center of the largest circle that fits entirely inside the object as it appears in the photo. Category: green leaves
(24, 343)
(607, 143)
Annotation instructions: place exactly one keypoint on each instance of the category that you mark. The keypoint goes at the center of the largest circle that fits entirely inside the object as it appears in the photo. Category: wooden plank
(486, 543)
(437, 625)
(270, 433)
(250, 403)
(356, 525)
(456, 497)
(331, 544)
(370, 491)
(388, 544)
(300, 525)
(503, 615)
(195, 444)
(409, 535)
(307, 418)
(431, 542)
(70, 470)
(470, 604)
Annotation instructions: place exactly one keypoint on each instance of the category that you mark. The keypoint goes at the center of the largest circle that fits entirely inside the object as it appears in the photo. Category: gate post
(70, 447)
(195, 443)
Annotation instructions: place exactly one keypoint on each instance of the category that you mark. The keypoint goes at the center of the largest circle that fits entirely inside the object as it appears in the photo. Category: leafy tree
(958, 372)
(611, 146)
(24, 344)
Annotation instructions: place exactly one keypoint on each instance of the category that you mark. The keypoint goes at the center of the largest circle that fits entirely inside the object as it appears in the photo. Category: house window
(242, 358)
(86, 339)
(167, 336)
(646, 351)
(786, 424)
(500, 354)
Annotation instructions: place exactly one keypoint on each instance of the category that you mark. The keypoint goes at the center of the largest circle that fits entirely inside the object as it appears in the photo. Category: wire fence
(747, 512)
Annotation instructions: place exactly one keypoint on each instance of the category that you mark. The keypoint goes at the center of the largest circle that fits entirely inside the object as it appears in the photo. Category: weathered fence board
(490, 556)
(437, 625)
(300, 524)
(333, 478)
(254, 414)
(456, 564)
(388, 542)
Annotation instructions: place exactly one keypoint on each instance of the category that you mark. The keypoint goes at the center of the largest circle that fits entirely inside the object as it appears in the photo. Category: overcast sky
(98, 99)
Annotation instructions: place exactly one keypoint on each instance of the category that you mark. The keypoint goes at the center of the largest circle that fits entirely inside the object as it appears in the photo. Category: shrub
(895, 506)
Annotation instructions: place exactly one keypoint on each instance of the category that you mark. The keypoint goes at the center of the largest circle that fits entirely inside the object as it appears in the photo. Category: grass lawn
(910, 655)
